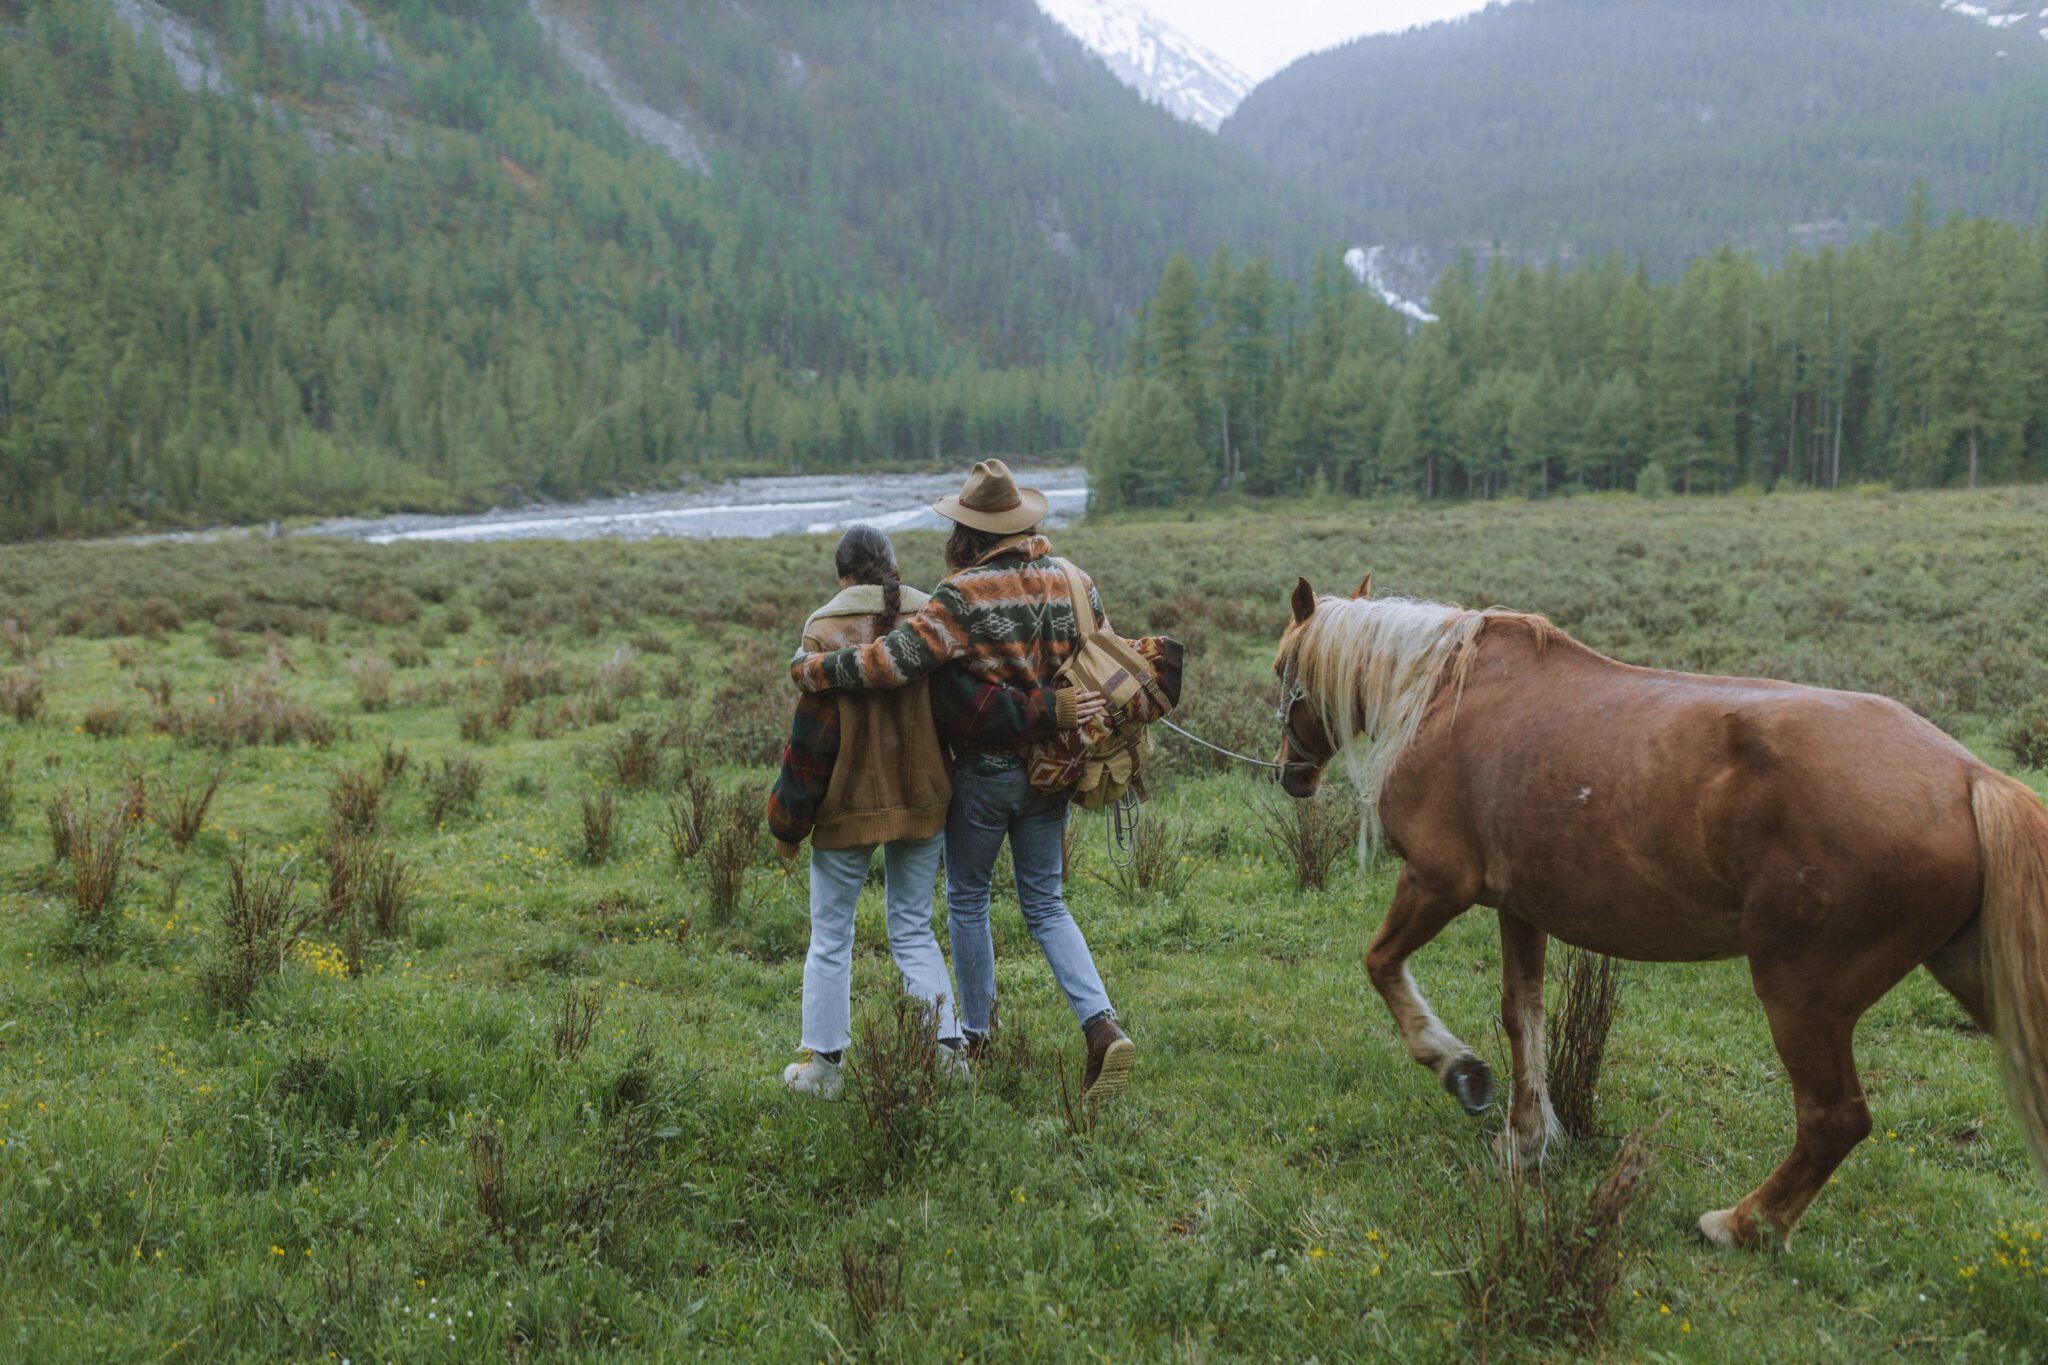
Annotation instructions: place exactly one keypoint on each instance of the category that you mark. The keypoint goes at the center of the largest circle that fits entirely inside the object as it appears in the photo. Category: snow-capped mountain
(2004, 13)
(1154, 58)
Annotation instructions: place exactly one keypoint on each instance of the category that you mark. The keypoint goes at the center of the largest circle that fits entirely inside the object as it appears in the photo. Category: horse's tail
(2012, 837)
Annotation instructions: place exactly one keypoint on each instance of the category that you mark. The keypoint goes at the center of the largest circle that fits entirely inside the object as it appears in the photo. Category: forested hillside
(1661, 128)
(433, 268)
(1918, 357)
(975, 152)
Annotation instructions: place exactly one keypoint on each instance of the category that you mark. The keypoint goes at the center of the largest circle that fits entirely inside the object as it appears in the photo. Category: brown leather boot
(1110, 1055)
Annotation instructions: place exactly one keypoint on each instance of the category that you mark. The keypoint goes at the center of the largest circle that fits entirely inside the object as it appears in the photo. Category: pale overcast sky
(1261, 36)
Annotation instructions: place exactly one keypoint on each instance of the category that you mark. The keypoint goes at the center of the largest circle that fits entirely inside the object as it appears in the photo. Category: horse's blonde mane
(1371, 665)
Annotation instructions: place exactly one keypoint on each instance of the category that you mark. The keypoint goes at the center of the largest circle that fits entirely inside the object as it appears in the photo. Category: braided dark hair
(866, 556)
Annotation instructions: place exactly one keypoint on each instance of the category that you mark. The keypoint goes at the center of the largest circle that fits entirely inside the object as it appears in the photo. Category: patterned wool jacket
(1006, 619)
(812, 795)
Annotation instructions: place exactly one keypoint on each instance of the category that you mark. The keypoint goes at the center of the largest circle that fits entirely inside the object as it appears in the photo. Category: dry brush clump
(1589, 990)
(451, 786)
(1310, 835)
(729, 852)
(1545, 1267)
(597, 827)
(261, 919)
(91, 839)
(179, 809)
(1154, 858)
(575, 1020)
(687, 819)
(354, 799)
(873, 1281)
(897, 1075)
(248, 714)
(2026, 735)
(633, 755)
(372, 678)
(21, 695)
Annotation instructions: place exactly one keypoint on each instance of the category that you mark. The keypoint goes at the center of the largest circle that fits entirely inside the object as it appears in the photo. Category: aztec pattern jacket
(966, 711)
(1007, 619)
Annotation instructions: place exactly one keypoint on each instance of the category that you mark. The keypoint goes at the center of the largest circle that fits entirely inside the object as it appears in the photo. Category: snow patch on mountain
(664, 132)
(1366, 264)
(2000, 14)
(1155, 59)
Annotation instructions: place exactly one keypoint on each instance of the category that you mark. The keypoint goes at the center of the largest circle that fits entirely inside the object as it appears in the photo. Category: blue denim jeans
(987, 808)
(909, 868)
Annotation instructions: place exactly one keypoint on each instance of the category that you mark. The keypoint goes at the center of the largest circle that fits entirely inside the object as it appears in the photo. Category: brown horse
(1834, 839)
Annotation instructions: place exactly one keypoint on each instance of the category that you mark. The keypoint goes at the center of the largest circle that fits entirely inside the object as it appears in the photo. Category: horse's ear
(1364, 586)
(1304, 602)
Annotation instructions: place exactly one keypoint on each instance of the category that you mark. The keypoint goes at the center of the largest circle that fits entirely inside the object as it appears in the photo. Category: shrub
(60, 810)
(674, 683)
(2026, 735)
(372, 678)
(452, 785)
(104, 720)
(897, 1076)
(17, 641)
(575, 1020)
(6, 794)
(487, 1178)
(527, 673)
(618, 676)
(157, 687)
(353, 799)
(260, 921)
(93, 842)
(407, 654)
(729, 852)
(250, 714)
(633, 755)
(392, 761)
(21, 695)
(1154, 858)
(476, 723)
(1589, 990)
(1310, 835)
(180, 810)
(597, 828)
(1551, 1274)
(873, 1281)
(386, 890)
(689, 815)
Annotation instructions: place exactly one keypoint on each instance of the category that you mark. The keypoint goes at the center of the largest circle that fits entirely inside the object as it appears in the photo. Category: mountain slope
(978, 154)
(1661, 128)
(1155, 59)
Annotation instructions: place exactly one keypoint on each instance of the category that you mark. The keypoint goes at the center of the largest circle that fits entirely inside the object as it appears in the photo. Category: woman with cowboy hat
(1004, 616)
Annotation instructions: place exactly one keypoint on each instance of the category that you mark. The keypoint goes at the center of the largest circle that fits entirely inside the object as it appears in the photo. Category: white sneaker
(953, 1063)
(816, 1077)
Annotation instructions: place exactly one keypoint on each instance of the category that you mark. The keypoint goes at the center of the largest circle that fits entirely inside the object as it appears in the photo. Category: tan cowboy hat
(992, 501)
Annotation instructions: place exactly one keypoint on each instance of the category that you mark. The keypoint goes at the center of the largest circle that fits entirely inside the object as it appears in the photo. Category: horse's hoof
(1718, 1227)
(1469, 1081)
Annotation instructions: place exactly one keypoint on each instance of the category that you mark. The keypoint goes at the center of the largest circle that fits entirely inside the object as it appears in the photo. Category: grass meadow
(450, 1027)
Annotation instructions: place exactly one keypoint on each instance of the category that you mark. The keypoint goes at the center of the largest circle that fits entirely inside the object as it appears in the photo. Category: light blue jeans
(987, 808)
(909, 867)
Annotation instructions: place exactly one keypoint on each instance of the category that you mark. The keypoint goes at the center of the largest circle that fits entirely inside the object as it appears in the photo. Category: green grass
(1281, 1182)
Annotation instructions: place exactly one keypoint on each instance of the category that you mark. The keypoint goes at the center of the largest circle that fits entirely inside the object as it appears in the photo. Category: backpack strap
(1077, 591)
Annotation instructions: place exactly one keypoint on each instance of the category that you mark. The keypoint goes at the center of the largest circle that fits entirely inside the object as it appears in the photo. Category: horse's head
(1305, 744)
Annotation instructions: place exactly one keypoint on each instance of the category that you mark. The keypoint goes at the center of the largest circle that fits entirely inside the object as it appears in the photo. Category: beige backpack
(1103, 762)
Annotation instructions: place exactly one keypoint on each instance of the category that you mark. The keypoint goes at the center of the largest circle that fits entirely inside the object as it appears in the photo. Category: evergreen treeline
(1662, 128)
(976, 151)
(1917, 357)
(202, 316)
